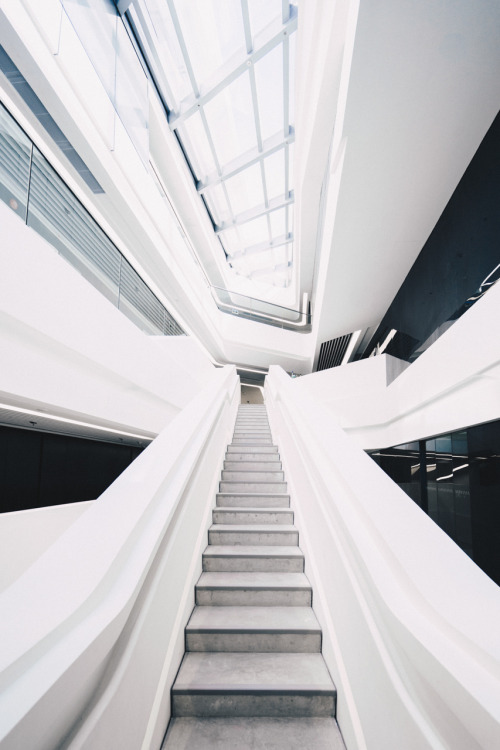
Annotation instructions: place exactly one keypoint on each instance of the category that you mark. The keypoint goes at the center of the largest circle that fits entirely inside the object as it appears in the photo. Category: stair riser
(252, 465)
(253, 565)
(230, 597)
(244, 432)
(297, 643)
(252, 476)
(253, 458)
(283, 539)
(240, 517)
(253, 501)
(263, 704)
(253, 449)
(253, 488)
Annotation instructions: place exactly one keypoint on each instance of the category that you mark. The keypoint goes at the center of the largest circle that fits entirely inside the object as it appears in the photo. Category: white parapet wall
(26, 534)
(410, 623)
(452, 385)
(92, 633)
(66, 350)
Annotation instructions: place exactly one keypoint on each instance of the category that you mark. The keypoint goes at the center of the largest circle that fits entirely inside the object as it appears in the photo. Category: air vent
(30, 98)
(332, 352)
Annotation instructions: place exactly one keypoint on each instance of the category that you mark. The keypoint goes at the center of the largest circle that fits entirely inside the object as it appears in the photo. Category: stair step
(246, 558)
(253, 449)
(238, 684)
(247, 733)
(249, 500)
(252, 476)
(254, 630)
(254, 487)
(251, 441)
(253, 589)
(255, 535)
(252, 516)
(254, 458)
(252, 465)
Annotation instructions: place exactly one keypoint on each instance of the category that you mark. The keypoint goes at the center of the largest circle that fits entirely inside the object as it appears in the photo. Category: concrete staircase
(253, 675)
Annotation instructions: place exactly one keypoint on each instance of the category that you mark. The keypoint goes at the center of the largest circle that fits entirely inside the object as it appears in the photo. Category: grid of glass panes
(226, 71)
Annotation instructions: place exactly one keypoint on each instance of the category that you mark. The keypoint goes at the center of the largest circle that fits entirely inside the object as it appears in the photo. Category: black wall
(455, 478)
(461, 251)
(39, 469)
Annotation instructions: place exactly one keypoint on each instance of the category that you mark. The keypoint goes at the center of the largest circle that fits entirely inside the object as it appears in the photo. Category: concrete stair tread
(243, 457)
(229, 485)
(252, 509)
(253, 580)
(252, 466)
(281, 528)
(228, 671)
(247, 495)
(252, 476)
(252, 619)
(253, 449)
(247, 550)
(249, 733)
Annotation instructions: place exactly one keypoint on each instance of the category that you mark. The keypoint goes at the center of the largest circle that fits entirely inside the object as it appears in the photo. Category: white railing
(92, 634)
(410, 624)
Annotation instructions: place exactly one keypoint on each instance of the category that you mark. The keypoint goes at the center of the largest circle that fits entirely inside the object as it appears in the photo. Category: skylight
(225, 71)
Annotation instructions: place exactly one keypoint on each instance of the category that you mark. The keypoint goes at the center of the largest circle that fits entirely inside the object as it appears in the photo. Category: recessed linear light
(387, 341)
(33, 412)
(450, 476)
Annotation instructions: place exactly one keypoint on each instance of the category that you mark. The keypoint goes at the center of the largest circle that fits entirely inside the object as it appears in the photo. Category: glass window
(264, 15)
(255, 231)
(197, 147)
(245, 190)
(269, 82)
(15, 156)
(231, 121)
(277, 219)
(213, 32)
(274, 167)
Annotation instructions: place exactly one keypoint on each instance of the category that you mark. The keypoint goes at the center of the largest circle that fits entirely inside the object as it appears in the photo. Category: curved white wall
(66, 350)
(92, 634)
(452, 385)
(410, 623)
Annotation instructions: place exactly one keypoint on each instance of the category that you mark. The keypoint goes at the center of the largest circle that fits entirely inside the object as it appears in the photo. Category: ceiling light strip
(66, 420)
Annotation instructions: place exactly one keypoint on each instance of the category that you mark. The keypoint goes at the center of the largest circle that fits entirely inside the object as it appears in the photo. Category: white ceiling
(423, 86)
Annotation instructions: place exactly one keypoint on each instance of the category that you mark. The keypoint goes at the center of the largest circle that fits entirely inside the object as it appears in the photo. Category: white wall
(452, 385)
(26, 534)
(410, 623)
(92, 634)
(67, 350)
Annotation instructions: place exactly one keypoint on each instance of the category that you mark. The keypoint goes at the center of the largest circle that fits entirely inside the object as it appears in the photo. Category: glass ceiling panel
(217, 204)
(277, 219)
(292, 46)
(274, 166)
(213, 32)
(291, 175)
(231, 241)
(168, 51)
(269, 81)
(245, 190)
(264, 14)
(205, 72)
(195, 142)
(231, 121)
(253, 232)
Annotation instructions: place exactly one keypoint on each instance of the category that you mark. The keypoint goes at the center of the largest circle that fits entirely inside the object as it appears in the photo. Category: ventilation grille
(332, 352)
(34, 190)
(30, 98)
